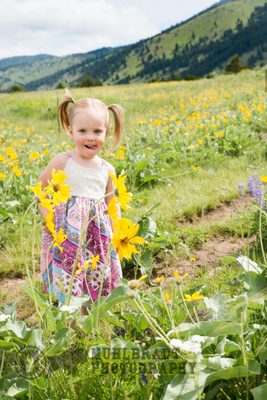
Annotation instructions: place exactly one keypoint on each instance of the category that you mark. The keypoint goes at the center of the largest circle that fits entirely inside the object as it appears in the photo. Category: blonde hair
(66, 115)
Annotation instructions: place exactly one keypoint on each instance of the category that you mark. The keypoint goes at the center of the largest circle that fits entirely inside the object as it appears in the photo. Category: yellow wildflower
(113, 208)
(263, 179)
(94, 261)
(167, 298)
(143, 277)
(78, 270)
(179, 278)
(59, 191)
(48, 204)
(124, 197)
(34, 156)
(124, 238)
(136, 283)
(37, 190)
(176, 274)
(195, 296)
(59, 238)
(121, 154)
(49, 221)
(16, 170)
(159, 279)
(2, 176)
(11, 153)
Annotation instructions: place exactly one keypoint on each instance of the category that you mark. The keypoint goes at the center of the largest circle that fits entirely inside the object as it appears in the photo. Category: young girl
(83, 217)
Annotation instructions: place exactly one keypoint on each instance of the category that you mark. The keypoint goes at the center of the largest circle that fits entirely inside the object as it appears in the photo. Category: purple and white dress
(88, 228)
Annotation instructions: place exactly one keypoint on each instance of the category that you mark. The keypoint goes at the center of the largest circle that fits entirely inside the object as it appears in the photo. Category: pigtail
(118, 118)
(63, 110)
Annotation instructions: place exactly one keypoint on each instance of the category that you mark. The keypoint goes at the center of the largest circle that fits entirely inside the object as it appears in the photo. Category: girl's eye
(98, 131)
(82, 130)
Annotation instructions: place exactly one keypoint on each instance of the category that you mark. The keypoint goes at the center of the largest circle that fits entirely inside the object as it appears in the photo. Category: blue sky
(61, 27)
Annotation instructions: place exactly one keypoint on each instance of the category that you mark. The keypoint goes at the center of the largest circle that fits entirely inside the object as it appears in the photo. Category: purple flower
(256, 188)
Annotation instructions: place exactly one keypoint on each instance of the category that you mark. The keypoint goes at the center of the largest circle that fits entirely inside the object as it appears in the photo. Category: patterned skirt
(88, 231)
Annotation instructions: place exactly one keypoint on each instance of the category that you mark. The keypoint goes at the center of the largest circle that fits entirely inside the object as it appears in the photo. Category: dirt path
(216, 248)
(209, 255)
(225, 210)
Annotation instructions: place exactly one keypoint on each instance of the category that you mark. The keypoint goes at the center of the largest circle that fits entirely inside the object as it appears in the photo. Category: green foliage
(199, 347)
(16, 88)
(88, 81)
(234, 65)
(60, 85)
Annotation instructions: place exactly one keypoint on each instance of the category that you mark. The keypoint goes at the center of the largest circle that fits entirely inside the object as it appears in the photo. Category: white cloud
(70, 26)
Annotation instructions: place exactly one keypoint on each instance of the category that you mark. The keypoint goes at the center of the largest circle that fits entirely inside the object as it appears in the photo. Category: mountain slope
(209, 25)
(197, 46)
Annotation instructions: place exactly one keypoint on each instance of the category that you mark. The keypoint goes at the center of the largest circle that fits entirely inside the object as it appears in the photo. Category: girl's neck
(95, 160)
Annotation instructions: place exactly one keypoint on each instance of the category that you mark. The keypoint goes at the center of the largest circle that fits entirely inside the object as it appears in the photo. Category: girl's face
(88, 131)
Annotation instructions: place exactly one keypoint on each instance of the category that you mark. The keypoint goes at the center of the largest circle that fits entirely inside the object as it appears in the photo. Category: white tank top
(86, 181)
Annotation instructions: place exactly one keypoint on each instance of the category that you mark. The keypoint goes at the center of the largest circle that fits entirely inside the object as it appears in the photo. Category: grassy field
(188, 150)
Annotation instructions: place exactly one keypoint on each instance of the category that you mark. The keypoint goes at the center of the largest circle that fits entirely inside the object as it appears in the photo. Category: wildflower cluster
(10, 159)
(164, 282)
(124, 235)
(55, 193)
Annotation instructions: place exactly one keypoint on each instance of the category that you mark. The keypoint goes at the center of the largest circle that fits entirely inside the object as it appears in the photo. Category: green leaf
(211, 328)
(61, 342)
(226, 346)
(148, 227)
(113, 319)
(256, 285)
(146, 261)
(36, 339)
(13, 203)
(217, 305)
(13, 387)
(249, 265)
(185, 387)
(136, 319)
(219, 363)
(260, 392)
(99, 309)
(229, 373)
(18, 328)
(151, 178)
(36, 295)
(6, 345)
(141, 165)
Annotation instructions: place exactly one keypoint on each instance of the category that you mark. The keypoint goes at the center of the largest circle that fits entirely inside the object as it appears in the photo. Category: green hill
(203, 44)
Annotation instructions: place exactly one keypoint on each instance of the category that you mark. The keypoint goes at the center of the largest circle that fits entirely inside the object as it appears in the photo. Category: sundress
(88, 231)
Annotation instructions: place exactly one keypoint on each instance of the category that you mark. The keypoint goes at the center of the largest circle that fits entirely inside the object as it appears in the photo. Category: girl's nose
(89, 136)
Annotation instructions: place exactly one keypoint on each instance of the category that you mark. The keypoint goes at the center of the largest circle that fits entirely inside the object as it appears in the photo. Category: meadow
(189, 319)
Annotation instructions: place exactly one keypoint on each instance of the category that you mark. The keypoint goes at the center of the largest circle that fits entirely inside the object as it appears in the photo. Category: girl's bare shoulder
(59, 161)
(110, 167)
